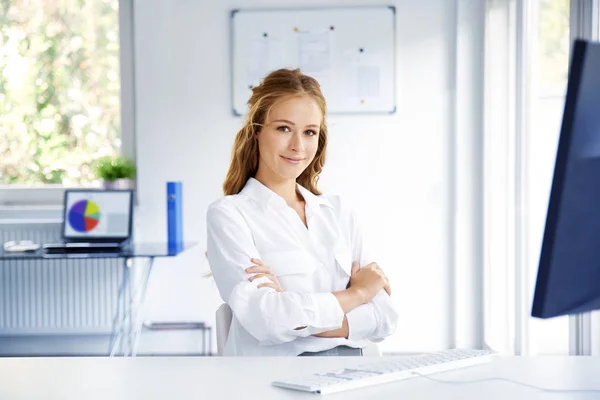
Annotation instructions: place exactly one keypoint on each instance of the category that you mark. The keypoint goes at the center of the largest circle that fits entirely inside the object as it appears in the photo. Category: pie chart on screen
(84, 216)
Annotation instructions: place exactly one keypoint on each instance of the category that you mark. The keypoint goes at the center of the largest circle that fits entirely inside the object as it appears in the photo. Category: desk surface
(134, 250)
(171, 378)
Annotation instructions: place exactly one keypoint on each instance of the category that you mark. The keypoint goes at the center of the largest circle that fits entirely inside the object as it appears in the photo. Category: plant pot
(118, 184)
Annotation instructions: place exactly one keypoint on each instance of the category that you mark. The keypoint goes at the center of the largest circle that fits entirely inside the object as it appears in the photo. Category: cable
(511, 381)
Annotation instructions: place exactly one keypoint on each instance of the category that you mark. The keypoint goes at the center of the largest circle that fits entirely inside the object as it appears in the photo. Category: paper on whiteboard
(263, 56)
(363, 73)
(367, 81)
(314, 54)
(257, 58)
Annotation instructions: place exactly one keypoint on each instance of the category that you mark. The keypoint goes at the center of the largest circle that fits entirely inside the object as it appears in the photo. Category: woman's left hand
(356, 267)
(262, 271)
(387, 287)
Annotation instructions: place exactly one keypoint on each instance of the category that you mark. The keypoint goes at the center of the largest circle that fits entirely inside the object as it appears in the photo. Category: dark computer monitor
(568, 280)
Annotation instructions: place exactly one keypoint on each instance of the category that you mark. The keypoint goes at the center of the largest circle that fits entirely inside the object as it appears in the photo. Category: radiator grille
(55, 296)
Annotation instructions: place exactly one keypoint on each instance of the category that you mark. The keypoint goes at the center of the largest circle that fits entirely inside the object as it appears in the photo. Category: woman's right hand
(262, 271)
(367, 280)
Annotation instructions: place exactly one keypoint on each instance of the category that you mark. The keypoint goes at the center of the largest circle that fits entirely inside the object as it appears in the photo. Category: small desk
(166, 378)
(127, 327)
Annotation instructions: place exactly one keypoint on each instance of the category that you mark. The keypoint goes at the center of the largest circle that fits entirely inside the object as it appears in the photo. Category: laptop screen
(97, 214)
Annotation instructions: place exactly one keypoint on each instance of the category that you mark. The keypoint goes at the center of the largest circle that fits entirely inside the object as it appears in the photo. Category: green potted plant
(116, 172)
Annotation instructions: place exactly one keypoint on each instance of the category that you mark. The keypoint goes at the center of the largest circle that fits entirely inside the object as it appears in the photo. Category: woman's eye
(283, 128)
(311, 133)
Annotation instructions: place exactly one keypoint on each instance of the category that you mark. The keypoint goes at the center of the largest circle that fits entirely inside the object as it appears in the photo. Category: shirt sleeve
(271, 317)
(373, 321)
(377, 319)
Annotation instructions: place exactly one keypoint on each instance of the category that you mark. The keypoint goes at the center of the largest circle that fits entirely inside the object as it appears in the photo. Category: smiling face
(288, 141)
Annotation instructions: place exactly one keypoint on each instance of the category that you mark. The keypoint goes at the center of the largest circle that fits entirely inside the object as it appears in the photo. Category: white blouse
(310, 264)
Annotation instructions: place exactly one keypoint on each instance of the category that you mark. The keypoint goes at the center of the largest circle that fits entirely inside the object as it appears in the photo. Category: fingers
(255, 269)
(270, 277)
(388, 290)
(373, 265)
(260, 270)
(260, 267)
(355, 268)
(270, 285)
(386, 280)
(253, 277)
(387, 287)
(376, 267)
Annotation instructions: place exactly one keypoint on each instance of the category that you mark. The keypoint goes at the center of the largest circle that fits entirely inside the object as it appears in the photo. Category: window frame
(504, 323)
(15, 196)
(585, 328)
(506, 115)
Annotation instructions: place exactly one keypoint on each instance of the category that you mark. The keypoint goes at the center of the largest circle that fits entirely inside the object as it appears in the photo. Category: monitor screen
(97, 214)
(568, 280)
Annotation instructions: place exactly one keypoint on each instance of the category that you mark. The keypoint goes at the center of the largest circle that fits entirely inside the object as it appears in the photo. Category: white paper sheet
(265, 54)
(363, 71)
(314, 53)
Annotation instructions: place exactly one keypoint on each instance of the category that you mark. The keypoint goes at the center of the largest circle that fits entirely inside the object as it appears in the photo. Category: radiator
(40, 297)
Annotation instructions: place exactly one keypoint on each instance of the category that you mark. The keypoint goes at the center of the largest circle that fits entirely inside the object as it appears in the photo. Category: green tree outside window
(59, 89)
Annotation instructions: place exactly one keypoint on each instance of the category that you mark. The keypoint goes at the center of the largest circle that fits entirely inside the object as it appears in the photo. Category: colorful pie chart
(84, 216)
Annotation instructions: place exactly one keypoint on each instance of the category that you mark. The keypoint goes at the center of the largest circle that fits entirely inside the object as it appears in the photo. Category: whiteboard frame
(392, 8)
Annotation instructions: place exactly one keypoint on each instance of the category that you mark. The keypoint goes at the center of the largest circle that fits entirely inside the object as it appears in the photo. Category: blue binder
(174, 216)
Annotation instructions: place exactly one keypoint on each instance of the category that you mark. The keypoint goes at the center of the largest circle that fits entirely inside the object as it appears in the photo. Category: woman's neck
(286, 188)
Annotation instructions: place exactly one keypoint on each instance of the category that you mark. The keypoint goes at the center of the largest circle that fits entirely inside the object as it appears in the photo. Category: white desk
(249, 378)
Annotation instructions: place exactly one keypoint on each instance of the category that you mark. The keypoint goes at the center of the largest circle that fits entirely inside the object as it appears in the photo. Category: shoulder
(335, 200)
(230, 201)
(226, 206)
(342, 206)
(225, 202)
(343, 212)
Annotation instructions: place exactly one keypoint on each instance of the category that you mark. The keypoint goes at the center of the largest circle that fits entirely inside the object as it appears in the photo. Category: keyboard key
(386, 370)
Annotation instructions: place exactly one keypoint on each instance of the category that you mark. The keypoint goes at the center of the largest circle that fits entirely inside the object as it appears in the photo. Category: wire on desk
(508, 380)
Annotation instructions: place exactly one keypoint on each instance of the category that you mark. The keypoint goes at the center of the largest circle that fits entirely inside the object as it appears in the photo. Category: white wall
(398, 163)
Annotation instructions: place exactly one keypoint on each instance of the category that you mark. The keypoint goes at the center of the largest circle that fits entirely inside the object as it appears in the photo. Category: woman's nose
(297, 144)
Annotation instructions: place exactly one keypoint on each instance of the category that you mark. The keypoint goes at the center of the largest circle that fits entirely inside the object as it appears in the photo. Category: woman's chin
(291, 171)
(289, 174)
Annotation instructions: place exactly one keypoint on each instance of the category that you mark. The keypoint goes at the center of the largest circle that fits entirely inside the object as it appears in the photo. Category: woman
(289, 261)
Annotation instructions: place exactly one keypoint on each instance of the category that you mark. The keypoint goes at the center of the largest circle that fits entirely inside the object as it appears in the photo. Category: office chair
(223, 322)
(372, 350)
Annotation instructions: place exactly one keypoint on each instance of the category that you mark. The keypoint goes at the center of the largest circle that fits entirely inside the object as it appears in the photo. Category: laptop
(94, 221)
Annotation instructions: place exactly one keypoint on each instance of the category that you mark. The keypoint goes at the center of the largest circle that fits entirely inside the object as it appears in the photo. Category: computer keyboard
(386, 370)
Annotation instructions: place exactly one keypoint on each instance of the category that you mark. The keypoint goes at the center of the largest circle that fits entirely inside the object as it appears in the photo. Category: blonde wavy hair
(278, 86)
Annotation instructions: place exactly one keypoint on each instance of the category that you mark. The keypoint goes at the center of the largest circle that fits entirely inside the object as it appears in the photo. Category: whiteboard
(349, 50)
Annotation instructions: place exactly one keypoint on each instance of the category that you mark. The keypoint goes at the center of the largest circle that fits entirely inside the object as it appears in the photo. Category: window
(527, 61)
(59, 89)
(548, 73)
(527, 57)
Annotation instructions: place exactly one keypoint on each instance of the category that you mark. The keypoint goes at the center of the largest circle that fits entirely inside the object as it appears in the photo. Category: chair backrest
(223, 322)
(372, 350)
